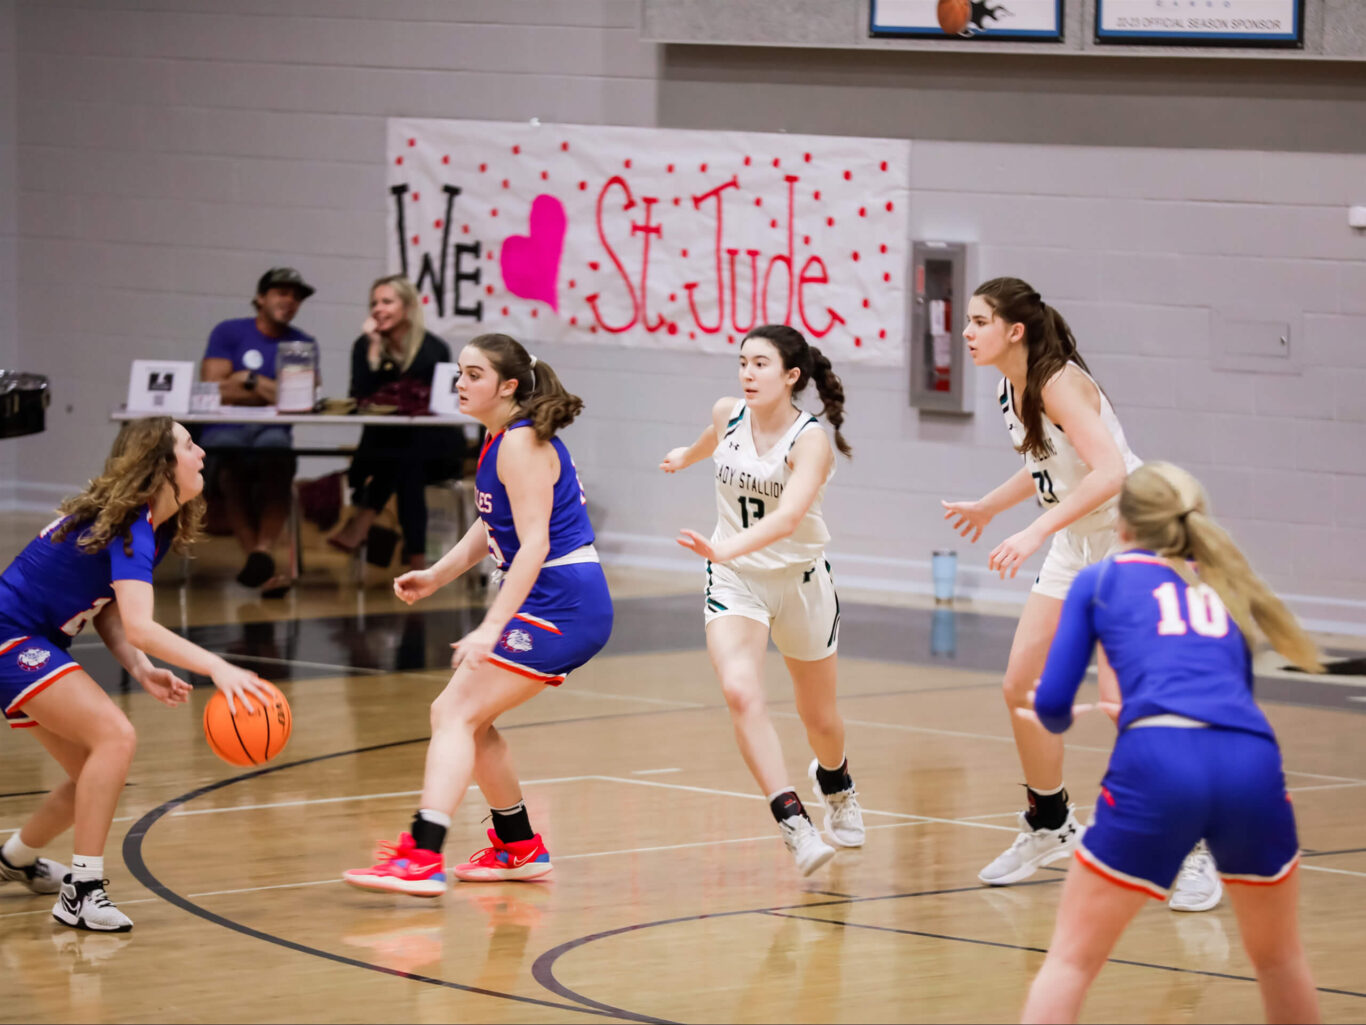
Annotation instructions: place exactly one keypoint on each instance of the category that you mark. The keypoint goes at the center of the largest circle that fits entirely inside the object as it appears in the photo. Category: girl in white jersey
(766, 571)
(1075, 460)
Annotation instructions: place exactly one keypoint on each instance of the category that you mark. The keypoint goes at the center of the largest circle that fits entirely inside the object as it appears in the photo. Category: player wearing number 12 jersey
(767, 572)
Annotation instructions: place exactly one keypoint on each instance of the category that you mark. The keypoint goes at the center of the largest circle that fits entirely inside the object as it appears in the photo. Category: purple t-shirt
(242, 343)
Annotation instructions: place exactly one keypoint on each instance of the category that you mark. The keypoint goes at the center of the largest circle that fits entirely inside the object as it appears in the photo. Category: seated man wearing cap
(254, 485)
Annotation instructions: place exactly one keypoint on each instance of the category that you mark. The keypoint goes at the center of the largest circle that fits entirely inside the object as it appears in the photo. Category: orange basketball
(953, 15)
(245, 739)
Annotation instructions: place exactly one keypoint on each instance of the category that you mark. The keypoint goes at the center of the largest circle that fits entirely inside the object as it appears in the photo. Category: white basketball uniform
(786, 585)
(1093, 536)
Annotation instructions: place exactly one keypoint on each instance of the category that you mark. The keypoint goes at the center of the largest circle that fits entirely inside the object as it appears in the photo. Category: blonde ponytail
(1167, 511)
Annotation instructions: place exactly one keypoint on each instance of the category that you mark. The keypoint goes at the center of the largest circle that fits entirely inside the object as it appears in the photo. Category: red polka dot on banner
(446, 159)
(865, 304)
(564, 146)
(855, 255)
(488, 289)
(702, 168)
(673, 297)
(488, 255)
(806, 240)
(673, 328)
(464, 229)
(829, 222)
(882, 248)
(483, 168)
(412, 142)
(670, 169)
(882, 166)
(505, 311)
(776, 161)
(534, 313)
(572, 283)
(889, 206)
(773, 223)
(493, 212)
(582, 186)
(746, 161)
(426, 299)
(516, 150)
(863, 211)
(857, 341)
(806, 157)
(684, 253)
(398, 160)
(626, 163)
(816, 195)
(414, 240)
(677, 201)
(505, 183)
(545, 175)
(730, 339)
(886, 276)
(416, 196)
(758, 200)
(593, 265)
(437, 223)
(692, 336)
(573, 320)
(848, 175)
(882, 332)
(593, 328)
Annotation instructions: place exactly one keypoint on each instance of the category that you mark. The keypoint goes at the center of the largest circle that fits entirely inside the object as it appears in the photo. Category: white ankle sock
(18, 853)
(85, 866)
(436, 818)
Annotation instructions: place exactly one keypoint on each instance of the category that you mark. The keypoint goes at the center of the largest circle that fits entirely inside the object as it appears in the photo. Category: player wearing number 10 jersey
(766, 572)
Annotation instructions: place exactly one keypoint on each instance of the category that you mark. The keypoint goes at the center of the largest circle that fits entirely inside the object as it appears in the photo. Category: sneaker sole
(382, 884)
(81, 923)
(1025, 871)
(503, 875)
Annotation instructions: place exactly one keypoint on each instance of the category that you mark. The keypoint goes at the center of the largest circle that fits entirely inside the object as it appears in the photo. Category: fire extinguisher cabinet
(940, 369)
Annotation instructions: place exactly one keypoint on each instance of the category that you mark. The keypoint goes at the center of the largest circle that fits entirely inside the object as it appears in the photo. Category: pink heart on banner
(531, 262)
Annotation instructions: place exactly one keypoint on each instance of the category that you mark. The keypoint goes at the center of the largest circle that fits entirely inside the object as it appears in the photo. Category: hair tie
(533, 372)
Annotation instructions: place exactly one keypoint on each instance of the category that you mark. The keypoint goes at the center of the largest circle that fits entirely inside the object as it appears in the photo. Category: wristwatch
(250, 383)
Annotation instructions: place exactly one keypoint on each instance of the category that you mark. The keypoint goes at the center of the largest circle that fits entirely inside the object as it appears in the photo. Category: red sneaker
(520, 859)
(402, 868)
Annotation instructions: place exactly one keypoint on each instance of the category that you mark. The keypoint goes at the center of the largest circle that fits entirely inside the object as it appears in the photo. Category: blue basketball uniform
(567, 617)
(1195, 756)
(47, 595)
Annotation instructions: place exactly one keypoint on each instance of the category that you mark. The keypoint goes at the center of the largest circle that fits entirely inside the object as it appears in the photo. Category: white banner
(1246, 21)
(969, 19)
(652, 237)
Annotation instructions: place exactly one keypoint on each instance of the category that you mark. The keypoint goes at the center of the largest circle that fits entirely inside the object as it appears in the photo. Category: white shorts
(1069, 554)
(799, 606)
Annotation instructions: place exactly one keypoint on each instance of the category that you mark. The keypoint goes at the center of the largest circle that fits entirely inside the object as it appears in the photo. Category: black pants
(374, 480)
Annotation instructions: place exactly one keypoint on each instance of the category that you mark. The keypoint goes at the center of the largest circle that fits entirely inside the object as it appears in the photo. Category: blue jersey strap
(1070, 653)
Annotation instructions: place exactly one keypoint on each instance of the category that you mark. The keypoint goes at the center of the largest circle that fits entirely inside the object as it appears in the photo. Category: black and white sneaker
(43, 876)
(85, 905)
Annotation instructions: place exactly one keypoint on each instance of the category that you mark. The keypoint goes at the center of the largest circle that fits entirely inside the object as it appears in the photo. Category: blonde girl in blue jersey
(94, 564)
(552, 614)
(767, 574)
(1195, 756)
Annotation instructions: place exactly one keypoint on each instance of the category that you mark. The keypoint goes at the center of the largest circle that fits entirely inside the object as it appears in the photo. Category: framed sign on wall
(1201, 22)
(1018, 20)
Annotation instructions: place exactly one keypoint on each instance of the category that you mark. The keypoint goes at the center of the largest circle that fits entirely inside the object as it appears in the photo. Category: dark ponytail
(540, 396)
(814, 365)
(1049, 346)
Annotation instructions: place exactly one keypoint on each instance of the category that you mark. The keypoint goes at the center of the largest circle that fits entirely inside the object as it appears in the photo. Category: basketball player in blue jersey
(1195, 756)
(1075, 461)
(94, 564)
(552, 614)
(767, 573)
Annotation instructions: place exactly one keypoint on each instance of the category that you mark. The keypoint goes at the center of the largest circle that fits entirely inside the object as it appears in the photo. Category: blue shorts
(564, 622)
(1167, 787)
(28, 666)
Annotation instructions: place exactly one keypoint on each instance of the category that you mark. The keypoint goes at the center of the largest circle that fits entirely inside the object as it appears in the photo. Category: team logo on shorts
(33, 659)
(517, 640)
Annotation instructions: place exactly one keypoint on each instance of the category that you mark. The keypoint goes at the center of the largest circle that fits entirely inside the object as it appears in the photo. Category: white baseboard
(26, 496)
(912, 576)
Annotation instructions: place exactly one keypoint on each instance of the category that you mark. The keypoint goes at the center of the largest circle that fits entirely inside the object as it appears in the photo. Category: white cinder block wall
(170, 150)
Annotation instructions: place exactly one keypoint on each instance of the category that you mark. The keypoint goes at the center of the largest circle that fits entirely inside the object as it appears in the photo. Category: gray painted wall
(9, 321)
(168, 152)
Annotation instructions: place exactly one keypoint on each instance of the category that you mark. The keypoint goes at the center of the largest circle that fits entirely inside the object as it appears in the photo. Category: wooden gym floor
(672, 898)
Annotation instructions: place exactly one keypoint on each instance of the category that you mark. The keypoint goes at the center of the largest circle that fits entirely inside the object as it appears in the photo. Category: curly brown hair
(142, 461)
(540, 396)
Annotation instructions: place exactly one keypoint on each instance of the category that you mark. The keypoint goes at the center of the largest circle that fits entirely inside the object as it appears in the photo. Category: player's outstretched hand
(165, 686)
(968, 518)
(237, 684)
(1008, 556)
(675, 460)
(414, 585)
(695, 542)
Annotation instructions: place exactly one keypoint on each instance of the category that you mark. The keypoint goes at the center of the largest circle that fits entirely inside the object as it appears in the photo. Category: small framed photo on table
(160, 387)
(444, 400)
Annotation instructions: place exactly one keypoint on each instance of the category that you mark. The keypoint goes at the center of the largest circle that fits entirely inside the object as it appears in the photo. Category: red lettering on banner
(784, 258)
(647, 229)
(592, 300)
(753, 255)
(691, 286)
(802, 281)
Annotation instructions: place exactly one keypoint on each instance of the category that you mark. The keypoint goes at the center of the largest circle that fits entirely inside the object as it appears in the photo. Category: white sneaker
(43, 876)
(1033, 849)
(843, 816)
(1198, 886)
(806, 845)
(85, 905)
